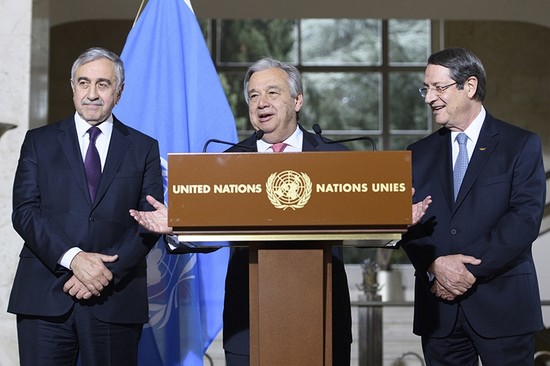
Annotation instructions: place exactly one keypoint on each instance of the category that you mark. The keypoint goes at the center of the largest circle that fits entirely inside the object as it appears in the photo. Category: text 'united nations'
(319, 188)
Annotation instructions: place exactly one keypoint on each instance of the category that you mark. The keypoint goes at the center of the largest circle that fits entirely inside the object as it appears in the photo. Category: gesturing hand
(420, 208)
(154, 221)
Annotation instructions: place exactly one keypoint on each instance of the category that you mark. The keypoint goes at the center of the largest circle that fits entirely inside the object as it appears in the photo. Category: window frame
(385, 68)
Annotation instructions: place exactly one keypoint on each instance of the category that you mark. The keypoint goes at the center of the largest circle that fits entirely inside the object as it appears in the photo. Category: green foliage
(251, 40)
(243, 42)
(342, 101)
(341, 41)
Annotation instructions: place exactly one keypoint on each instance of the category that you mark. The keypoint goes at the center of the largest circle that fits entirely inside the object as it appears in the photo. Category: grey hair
(462, 64)
(97, 53)
(294, 77)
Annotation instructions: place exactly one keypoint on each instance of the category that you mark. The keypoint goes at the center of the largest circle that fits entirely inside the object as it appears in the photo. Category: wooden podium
(290, 209)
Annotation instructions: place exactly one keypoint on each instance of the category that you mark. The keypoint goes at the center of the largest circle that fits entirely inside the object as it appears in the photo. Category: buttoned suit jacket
(496, 218)
(236, 306)
(52, 212)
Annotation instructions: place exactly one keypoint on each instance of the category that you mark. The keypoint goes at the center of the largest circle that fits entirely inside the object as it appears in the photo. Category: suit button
(91, 219)
(453, 231)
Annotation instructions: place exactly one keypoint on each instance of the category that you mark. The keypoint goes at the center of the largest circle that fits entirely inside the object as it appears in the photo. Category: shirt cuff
(68, 257)
(172, 241)
(431, 276)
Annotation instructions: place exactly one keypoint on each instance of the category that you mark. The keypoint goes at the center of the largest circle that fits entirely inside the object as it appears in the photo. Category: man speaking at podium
(273, 91)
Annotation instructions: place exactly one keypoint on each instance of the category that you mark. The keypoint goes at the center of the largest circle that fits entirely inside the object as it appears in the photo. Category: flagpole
(139, 11)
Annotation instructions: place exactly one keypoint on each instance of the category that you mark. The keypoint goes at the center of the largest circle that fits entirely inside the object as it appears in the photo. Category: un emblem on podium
(288, 189)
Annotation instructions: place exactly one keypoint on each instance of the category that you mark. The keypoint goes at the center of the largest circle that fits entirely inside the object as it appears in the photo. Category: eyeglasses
(437, 89)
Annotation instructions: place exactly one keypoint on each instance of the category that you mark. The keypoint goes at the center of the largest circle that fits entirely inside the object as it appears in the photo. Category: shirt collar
(474, 128)
(82, 126)
(294, 141)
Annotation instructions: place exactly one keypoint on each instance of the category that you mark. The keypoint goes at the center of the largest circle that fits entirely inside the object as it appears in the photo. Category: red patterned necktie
(279, 147)
(92, 163)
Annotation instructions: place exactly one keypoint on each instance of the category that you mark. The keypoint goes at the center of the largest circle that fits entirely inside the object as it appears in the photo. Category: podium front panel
(315, 192)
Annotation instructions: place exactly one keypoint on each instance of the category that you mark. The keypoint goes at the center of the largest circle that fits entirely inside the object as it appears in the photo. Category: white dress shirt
(102, 145)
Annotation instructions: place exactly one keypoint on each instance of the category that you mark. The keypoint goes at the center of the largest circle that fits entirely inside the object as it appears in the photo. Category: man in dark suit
(273, 91)
(476, 291)
(274, 94)
(80, 287)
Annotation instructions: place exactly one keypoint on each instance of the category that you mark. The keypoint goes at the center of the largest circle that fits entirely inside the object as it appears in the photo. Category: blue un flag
(173, 94)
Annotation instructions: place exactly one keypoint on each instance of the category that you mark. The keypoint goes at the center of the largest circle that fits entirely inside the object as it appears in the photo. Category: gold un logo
(288, 189)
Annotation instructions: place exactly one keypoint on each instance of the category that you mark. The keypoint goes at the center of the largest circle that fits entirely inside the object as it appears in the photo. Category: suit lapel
(309, 142)
(250, 142)
(442, 159)
(69, 144)
(484, 148)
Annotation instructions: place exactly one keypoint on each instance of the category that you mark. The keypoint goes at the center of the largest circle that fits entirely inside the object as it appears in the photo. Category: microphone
(318, 132)
(258, 134)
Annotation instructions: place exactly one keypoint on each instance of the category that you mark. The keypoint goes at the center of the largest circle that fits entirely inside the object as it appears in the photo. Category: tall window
(360, 75)
(361, 78)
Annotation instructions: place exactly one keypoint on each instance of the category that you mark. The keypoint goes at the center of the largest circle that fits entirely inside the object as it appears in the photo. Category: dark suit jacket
(52, 212)
(496, 218)
(236, 324)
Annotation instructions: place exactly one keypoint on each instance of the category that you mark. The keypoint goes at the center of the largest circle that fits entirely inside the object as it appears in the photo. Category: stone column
(20, 37)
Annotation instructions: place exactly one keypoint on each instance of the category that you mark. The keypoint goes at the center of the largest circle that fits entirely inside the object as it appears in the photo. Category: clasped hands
(452, 278)
(90, 276)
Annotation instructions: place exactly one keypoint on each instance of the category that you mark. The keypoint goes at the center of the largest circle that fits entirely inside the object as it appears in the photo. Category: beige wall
(515, 56)
(534, 11)
(15, 66)
(67, 42)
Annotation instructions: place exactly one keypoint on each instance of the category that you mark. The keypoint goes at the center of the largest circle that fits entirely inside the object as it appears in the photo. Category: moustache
(86, 101)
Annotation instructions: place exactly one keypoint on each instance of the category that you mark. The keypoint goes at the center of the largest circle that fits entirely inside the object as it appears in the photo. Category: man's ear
(298, 102)
(119, 94)
(471, 86)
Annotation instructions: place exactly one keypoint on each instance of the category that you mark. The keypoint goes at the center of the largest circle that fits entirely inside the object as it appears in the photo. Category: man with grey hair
(273, 91)
(80, 291)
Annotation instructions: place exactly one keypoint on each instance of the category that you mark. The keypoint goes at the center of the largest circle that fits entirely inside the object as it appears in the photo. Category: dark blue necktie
(92, 163)
(461, 163)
